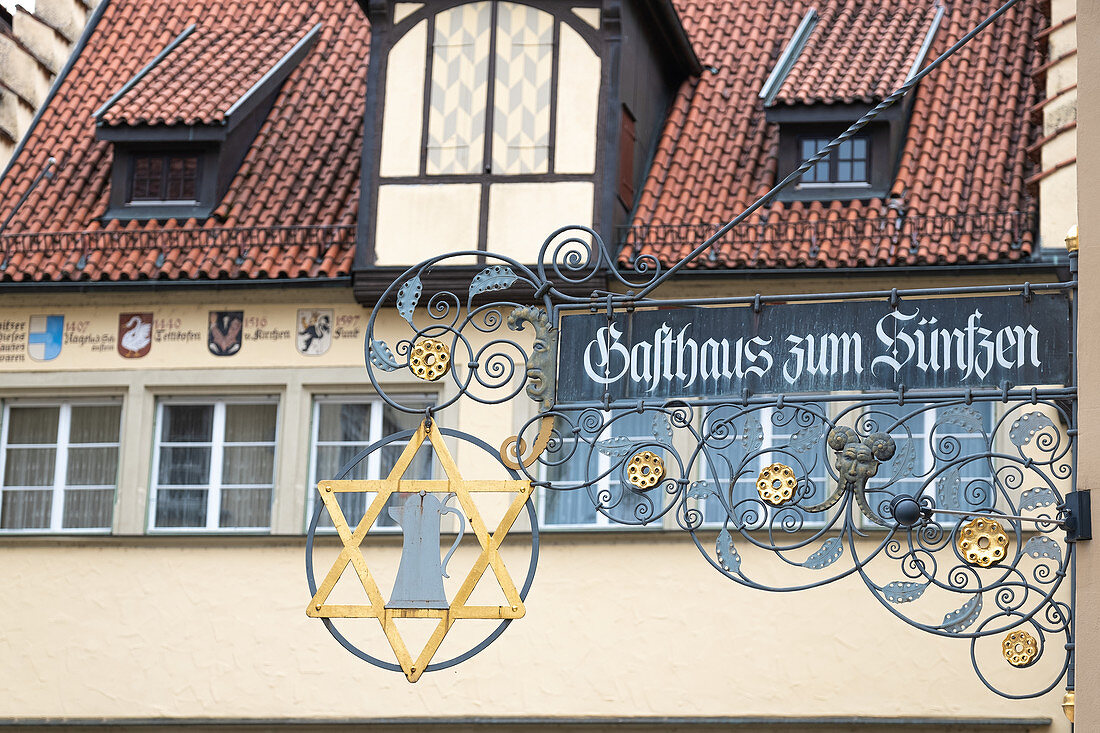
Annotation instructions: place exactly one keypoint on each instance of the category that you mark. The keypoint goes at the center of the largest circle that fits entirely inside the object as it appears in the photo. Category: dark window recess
(849, 163)
(165, 178)
(626, 159)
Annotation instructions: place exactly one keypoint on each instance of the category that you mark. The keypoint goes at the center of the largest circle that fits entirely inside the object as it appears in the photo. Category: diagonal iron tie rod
(810, 162)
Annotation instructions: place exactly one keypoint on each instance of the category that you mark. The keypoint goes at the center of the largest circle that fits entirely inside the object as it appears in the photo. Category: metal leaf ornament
(965, 417)
(616, 447)
(903, 591)
(728, 557)
(1037, 498)
(494, 277)
(753, 435)
(959, 620)
(949, 490)
(381, 356)
(830, 552)
(1024, 429)
(662, 428)
(1041, 547)
(701, 490)
(408, 295)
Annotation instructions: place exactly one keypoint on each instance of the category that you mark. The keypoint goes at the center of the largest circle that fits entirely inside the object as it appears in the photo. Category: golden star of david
(458, 608)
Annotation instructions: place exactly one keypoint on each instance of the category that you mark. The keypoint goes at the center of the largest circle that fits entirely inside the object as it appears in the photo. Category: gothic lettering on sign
(819, 347)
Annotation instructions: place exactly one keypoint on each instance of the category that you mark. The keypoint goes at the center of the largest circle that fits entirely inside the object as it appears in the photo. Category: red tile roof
(959, 195)
(857, 52)
(302, 169)
(203, 76)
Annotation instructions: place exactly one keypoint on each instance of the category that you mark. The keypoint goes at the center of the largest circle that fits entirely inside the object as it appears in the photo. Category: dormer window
(832, 71)
(181, 126)
(164, 178)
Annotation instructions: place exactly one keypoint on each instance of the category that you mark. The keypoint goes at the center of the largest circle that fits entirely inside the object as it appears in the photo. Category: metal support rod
(828, 149)
(955, 512)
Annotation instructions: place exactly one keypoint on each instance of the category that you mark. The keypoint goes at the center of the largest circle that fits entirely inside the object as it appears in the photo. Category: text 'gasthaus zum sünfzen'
(809, 347)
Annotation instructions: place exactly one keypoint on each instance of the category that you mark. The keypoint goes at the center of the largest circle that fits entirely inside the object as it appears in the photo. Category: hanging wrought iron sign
(922, 440)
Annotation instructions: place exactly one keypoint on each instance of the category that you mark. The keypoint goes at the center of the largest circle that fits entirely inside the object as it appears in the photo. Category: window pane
(182, 176)
(25, 509)
(184, 466)
(92, 466)
(521, 115)
(395, 422)
(353, 505)
(844, 171)
(29, 425)
(338, 422)
(421, 466)
(187, 423)
(29, 467)
(459, 89)
(88, 509)
(568, 507)
(148, 178)
(859, 171)
(245, 508)
(859, 147)
(250, 464)
(331, 458)
(808, 149)
(95, 423)
(250, 423)
(844, 150)
(181, 508)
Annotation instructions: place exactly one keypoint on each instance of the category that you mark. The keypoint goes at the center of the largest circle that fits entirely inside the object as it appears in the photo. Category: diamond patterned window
(513, 44)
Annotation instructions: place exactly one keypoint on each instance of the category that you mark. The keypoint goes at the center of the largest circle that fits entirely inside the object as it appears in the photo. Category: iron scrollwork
(887, 487)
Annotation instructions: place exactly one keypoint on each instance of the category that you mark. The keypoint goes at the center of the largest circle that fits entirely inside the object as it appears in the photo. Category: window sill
(828, 192)
(150, 210)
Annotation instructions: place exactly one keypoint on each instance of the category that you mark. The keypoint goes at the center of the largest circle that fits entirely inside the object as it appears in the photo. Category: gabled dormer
(181, 126)
(833, 70)
(491, 123)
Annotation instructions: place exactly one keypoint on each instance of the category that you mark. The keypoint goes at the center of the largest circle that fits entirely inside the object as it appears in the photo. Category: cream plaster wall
(403, 114)
(618, 624)
(578, 104)
(1088, 350)
(1058, 189)
(416, 222)
(522, 215)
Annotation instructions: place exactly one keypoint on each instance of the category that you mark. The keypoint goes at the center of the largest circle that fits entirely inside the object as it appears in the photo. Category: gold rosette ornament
(776, 484)
(982, 542)
(1020, 648)
(430, 359)
(645, 469)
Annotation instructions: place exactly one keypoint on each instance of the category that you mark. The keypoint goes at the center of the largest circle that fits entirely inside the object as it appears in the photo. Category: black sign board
(815, 347)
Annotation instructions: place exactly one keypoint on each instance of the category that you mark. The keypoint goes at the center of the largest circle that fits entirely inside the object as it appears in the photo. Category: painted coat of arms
(44, 337)
(135, 334)
(225, 332)
(314, 330)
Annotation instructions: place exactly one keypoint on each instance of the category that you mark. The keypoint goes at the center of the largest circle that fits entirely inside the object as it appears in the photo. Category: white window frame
(217, 453)
(925, 460)
(374, 460)
(61, 461)
(765, 415)
(603, 467)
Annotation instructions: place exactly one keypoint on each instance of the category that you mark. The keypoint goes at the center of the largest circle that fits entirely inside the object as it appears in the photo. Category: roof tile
(959, 194)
